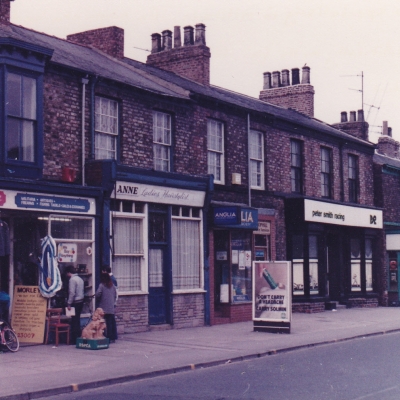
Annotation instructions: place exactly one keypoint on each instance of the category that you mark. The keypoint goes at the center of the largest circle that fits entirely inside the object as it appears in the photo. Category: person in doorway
(75, 299)
(106, 296)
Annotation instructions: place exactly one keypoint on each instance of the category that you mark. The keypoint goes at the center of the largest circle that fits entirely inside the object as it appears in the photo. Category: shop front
(334, 251)
(234, 250)
(158, 254)
(392, 265)
(32, 212)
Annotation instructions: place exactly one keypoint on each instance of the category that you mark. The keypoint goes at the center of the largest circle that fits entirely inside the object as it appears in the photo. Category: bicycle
(8, 337)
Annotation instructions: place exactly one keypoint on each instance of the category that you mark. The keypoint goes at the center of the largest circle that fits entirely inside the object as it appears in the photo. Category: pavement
(45, 370)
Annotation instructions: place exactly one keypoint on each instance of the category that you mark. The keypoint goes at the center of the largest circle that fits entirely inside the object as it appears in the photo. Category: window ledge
(132, 293)
(184, 291)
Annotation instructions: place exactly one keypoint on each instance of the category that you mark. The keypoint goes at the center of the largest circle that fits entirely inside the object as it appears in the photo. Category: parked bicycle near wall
(8, 337)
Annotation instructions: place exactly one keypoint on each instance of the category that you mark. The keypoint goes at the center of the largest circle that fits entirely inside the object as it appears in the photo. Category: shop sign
(272, 293)
(66, 252)
(15, 200)
(264, 228)
(337, 214)
(226, 215)
(158, 194)
(236, 217)
(29, 314)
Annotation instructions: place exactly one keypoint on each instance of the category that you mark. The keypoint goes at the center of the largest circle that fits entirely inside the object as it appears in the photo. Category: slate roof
(385, 160)
(165, 83)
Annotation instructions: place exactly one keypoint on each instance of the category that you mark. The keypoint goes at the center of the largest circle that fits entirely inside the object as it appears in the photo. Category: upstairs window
(215, 147)
(326, 171)
(296, 166)
(21, 118)
(162, 141)
(257, 159)
(106, 127)
(353, 178)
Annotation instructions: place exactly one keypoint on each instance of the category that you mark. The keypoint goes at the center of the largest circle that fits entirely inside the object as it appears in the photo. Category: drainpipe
(341, 172)
(248, 157)
(93, 82)
(84, 82)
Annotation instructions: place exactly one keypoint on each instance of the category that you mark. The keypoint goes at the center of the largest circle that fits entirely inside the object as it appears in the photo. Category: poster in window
(272, 291)
(66, 252)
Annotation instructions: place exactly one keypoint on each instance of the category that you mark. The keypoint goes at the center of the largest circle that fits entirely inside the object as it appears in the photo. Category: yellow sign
(29, 314)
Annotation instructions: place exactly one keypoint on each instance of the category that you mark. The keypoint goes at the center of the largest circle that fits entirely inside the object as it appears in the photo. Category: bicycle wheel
(11, 339)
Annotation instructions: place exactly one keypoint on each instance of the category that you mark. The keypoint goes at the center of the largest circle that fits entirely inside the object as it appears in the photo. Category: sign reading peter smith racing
(338, 214)
(158, 194)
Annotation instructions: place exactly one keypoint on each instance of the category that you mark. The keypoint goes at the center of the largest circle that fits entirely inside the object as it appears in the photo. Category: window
(21, 118)
(355, 248)
(298, 264)
(368, 265)
(161, 141)
(313, 263)
(215, 146)
(129, 246)
(353, 179)
(257, 159)
(106, 127)
(325, 172)
(296, 166)
(186, 249)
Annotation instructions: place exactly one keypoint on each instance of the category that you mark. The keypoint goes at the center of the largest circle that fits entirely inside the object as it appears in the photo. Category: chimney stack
(297, 96)
(5, 12)
(357, 128)
(385, 128)
(108, 40)
(387, 146)
(192, 60)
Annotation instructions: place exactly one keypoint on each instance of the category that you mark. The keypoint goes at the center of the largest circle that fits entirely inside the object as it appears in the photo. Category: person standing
(75, 299)
(107, 269)
(106, 295)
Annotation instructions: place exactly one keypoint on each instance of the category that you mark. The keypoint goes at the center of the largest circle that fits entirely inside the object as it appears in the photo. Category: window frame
(353, 181)
(296, 171)
(162, 144)
(219, 153)
(326, 175)
(258, 162)
(143, 217)
(99, 132)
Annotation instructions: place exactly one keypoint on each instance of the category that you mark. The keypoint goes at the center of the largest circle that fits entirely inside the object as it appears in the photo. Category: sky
(339, 40)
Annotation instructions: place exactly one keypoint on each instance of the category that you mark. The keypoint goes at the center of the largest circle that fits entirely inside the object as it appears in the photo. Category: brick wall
(109, 40)
(188, 310)
(5, 11)
(387, 146)
(132, 314)
(354, 128)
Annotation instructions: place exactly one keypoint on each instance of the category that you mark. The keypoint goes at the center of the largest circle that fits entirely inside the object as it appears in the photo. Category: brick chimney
(109, 40)
(192, 60)
(387, 146)
(298, 96)
(5, 11)
(356, 126)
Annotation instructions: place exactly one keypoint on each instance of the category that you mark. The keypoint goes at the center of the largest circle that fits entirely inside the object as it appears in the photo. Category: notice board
(29, 314)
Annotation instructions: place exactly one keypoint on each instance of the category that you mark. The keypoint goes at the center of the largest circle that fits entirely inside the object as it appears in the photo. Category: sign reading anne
(27, 200)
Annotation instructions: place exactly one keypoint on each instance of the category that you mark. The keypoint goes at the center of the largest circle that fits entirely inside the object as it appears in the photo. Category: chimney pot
(200, 34)
(155, 43)
(167, 40)
(305, 76)
(177, 36)
(385, 128)
(343, 116)
(267, 80)
(285, 77)
(188, 35)
(352, 116)
(389, 131)
(360, 116)
(276, 79)
(295, 76)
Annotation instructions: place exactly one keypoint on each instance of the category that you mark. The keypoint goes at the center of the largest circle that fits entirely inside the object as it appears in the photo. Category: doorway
(333, 266)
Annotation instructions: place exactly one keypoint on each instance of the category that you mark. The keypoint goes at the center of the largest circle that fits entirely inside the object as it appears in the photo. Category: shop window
(326, 172)
(355, 250)
(215, 147)
(187, 259)
(241, 267)
(162, 141)
(257, 160)
(128, 246)
(298, 264)
(368, 265)
(106, 128)
(262, 247)
(313, 264)
(296, 166)
(353, 179)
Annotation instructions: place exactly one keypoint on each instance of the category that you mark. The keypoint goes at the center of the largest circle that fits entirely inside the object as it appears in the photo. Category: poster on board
(29, 314)
(272, 296)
